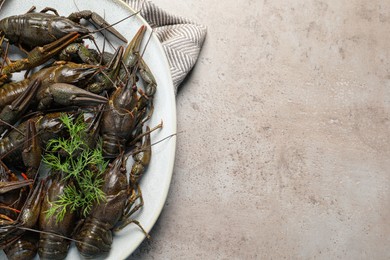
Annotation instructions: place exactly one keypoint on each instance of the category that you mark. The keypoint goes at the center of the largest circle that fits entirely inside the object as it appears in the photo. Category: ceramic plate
(155, 183)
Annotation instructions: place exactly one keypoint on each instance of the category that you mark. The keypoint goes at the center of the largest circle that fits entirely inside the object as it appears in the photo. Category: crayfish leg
(6, 218)
(49, 9)
(32, 9)
(135, 195)
(129, 221)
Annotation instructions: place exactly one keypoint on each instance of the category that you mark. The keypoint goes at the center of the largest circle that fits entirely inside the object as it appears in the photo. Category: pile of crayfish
(113, 96)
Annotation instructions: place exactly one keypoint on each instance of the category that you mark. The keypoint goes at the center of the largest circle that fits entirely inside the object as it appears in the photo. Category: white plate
(155, 183)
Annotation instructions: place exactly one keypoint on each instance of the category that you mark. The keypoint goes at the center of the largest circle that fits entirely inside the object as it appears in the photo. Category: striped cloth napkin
(181, 38)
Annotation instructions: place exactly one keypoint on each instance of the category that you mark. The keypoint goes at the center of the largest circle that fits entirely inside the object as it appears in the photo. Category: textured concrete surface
(284, 143)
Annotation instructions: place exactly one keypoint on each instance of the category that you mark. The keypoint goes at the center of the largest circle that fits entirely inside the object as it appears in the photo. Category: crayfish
(82, 107)
(37, 29)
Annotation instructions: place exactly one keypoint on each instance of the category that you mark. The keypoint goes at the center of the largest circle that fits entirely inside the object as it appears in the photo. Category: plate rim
(173, 139)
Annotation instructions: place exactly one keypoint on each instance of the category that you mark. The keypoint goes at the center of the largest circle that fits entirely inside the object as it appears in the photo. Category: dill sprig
(76, 161)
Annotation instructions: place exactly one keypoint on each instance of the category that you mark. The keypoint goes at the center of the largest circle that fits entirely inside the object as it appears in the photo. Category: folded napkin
(181, 38)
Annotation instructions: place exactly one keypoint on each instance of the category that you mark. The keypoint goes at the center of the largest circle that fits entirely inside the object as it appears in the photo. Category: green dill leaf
(76, 166)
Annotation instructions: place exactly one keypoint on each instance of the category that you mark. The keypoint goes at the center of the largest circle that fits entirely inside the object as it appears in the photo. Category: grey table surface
(283, 146)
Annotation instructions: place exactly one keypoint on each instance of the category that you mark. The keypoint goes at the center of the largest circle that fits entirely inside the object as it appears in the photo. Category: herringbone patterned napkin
(181, 38)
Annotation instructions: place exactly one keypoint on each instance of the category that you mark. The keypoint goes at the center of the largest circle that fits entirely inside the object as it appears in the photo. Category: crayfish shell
(53, 247)
(24, 248)
(96, 238)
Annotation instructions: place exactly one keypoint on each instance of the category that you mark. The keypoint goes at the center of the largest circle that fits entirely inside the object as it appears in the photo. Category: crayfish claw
(98, 20)
(11, 113)
(106, 80)
(22, 102)
(103, 24)
(32, 151)
(51, 49)
(68, 95)
(30, 212)
(131, 55)
(40, 55)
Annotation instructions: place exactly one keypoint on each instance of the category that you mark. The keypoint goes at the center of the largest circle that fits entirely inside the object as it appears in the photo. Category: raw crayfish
(37, 29)
(120, 112)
